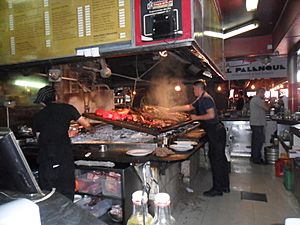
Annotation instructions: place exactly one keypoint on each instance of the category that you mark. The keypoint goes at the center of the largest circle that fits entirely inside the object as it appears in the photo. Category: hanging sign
(158, 21)
(263, 67)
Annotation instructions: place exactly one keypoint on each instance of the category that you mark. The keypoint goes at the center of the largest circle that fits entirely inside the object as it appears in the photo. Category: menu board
(33, 30)
(5, 51)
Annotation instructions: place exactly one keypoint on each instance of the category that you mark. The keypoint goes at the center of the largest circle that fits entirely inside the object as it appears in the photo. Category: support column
(292, 81)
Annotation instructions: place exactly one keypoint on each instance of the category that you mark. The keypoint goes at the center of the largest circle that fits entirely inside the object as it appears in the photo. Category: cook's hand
(73, 132)
(193, 117)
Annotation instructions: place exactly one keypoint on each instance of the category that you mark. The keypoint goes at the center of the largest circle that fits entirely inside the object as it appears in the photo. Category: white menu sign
(254, 68)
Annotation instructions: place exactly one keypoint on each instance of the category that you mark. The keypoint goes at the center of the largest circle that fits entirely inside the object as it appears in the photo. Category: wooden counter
(120, 156)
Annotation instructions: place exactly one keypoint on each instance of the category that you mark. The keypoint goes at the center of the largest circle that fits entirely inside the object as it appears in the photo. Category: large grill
(141, 127)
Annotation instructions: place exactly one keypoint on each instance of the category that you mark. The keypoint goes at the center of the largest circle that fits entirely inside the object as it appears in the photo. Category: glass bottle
(162, 210)
(140, 215)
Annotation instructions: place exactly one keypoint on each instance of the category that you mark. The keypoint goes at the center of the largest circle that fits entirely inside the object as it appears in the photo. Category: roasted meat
(149, 116)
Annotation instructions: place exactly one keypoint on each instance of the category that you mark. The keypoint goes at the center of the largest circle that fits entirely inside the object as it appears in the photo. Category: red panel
(293, 97)
(237, 47)
(186, 24)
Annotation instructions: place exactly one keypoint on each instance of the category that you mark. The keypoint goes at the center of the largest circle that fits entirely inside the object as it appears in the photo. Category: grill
(141, 127)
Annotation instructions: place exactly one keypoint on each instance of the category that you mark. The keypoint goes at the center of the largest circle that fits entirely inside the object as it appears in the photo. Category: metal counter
(238, 141)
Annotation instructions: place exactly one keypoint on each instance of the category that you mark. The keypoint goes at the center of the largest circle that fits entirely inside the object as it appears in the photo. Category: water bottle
(162, 210)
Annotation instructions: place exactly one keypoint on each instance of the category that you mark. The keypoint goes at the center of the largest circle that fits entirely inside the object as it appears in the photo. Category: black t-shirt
(53, 122)
(202, 104)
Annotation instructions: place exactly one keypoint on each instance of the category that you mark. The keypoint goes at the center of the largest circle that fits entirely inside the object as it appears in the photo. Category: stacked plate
(183, 146)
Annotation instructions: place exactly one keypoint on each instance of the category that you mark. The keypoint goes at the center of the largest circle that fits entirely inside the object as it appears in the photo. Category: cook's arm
(86, 124)
(210, 114)
(181, 108)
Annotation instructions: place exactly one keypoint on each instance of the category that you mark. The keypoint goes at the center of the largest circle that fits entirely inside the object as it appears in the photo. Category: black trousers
(56, 169)
(216, 135)
(257, 141)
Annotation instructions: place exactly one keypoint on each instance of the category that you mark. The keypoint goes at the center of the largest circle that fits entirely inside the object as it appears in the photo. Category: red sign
(161, 21)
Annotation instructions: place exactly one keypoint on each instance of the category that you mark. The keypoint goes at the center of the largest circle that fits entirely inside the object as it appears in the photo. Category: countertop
(120, 156)
(58, 210)
(279, 121)
(81, 151)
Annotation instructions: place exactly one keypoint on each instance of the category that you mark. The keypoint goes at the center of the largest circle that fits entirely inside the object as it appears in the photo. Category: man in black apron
(206, 112)
(56, 163)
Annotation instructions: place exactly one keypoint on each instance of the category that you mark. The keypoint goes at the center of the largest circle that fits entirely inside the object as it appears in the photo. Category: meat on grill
(150, 116)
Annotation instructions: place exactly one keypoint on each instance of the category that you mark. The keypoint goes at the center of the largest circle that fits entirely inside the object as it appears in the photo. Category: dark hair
(200, 83)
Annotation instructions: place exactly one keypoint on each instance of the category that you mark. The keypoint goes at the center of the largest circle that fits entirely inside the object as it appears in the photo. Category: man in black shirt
(206, 113)
(56, 163)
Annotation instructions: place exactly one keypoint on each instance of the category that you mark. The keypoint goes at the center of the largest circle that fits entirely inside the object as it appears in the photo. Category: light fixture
(163, 53)
(252, 86)
(219, 88)
(105, 72)
(298, 76)
(241, 30)
(232, 33)
(213, 34)
(55, 75)
(207, 73)
(177, 88)
(251, 5)
(32, 84)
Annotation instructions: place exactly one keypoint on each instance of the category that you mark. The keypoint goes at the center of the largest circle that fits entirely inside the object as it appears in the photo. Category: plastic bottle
(162, 210)
(139, 210)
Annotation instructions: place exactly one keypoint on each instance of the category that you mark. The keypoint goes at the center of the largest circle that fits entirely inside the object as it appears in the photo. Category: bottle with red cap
(140, 215)
(163, 210)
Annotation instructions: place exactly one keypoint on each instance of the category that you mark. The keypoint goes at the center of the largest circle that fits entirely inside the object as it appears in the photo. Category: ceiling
(267, 13)
(279, 27)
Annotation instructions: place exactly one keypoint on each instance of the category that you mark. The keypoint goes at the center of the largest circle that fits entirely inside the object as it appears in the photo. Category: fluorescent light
(298, 76)
(251, 5)
(232, 33)
(207, 73)
(241, 30)
(213, 34)
(26, 83)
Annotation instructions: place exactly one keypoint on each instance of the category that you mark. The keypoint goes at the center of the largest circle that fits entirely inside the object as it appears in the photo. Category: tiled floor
(229, 209)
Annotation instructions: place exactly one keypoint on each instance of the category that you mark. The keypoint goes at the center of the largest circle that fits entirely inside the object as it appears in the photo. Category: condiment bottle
(140, 215)
(162, 210)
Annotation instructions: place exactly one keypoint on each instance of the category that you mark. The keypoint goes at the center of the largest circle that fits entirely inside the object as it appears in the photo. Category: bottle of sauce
(140, 215)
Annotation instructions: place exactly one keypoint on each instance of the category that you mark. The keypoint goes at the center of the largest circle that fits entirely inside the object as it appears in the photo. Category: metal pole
(7, 117)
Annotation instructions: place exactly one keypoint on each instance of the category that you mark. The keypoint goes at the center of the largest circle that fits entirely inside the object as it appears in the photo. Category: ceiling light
(232, 33)
(163, 53)
(251, 5)
(207, 73)
(55, 75)
(32, 84)
(241, 30)
(213, 34)
(177, 88)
